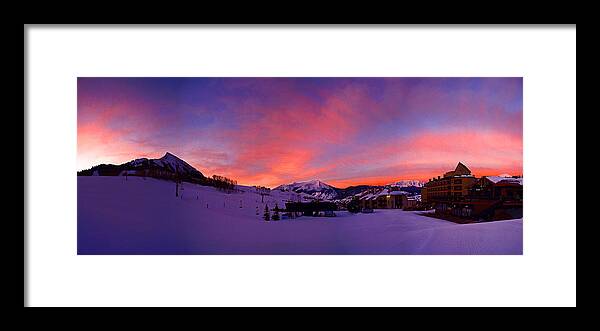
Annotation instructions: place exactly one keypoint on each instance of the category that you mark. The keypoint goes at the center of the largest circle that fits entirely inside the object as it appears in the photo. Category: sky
(272, 131)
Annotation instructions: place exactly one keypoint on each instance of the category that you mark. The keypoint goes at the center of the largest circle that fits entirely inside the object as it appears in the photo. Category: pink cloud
(269, 132)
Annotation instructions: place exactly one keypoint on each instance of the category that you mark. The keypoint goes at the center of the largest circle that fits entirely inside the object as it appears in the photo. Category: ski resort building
(497, 187)
(409, 202)
(387, 198)
(454, 185)
(459, 194)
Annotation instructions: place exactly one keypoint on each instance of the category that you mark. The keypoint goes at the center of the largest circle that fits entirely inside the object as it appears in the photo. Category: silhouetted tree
(223, 183)
(276, 214)
(354, 205)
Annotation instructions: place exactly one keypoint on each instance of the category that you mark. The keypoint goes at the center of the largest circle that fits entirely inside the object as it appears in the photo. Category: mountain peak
(314, 187)
(168, 155)
(175, 162)
(315, 182)
(408, 183)
(167, 166)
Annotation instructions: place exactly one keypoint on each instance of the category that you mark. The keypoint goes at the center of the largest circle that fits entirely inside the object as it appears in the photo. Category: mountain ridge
(171, 167)
(315, 187)
(168, 166)
(323, 191)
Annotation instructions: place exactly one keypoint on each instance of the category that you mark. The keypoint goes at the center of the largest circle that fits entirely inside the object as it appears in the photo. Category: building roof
(460, 170)
(498, 179)
(383, 192)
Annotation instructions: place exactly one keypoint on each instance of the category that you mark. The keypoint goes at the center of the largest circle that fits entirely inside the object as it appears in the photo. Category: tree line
(223, 183)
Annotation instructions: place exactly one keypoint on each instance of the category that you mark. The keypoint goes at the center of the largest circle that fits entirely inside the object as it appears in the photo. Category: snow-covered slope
(165, 167)
(315, 188)
(168, 162)
(143, 216)
(408, 183)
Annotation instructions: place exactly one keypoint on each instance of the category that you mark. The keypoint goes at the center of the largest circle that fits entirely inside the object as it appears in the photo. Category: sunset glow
(271, 131)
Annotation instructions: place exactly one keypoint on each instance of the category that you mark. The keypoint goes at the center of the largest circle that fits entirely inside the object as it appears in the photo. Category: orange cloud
(274, 131)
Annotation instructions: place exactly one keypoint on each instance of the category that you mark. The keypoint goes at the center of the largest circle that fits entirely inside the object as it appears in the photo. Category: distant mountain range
(316, 188)
(323, 191)
(169, 166)
(408, 183)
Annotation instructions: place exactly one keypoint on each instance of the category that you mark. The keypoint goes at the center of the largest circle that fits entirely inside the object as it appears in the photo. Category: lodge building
(387, 198)
(459, 193)
(454, 185)
(457, 196)
(498, 187)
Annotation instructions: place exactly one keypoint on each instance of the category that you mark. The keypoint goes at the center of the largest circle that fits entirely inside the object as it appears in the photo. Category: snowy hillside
(408, 183)
(316, 188)
(143, 216)
(168, 162)
(167, 166)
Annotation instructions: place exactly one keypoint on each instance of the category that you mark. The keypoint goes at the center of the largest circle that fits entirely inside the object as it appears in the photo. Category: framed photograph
(300, 166)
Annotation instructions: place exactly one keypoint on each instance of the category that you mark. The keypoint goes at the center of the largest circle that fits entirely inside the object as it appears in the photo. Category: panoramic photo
(300, 165)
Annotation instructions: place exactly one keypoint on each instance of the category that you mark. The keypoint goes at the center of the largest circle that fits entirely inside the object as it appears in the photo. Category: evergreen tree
(267, 214)
(354, 205)
(276, 213)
